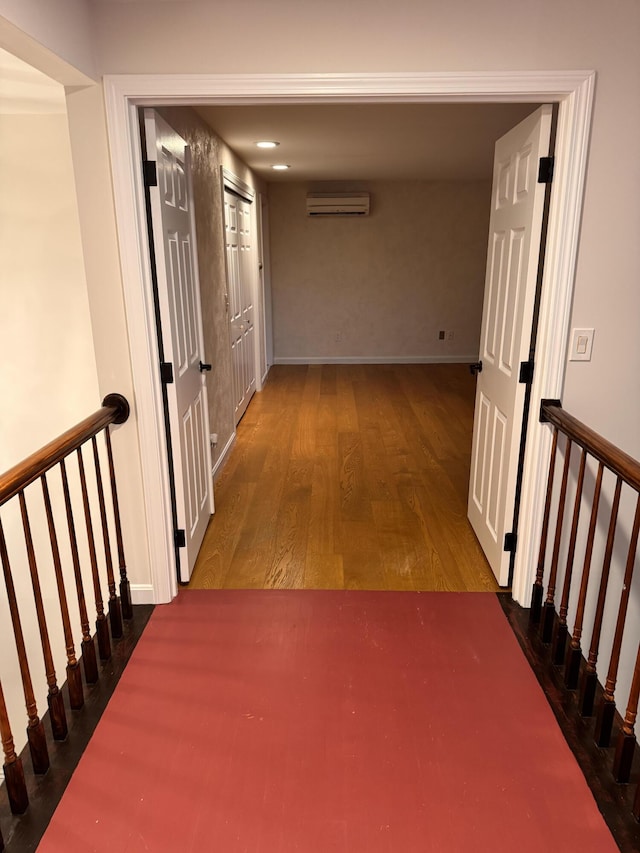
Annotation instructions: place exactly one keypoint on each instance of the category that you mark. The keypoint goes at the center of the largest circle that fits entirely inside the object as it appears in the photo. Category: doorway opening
(573, 91)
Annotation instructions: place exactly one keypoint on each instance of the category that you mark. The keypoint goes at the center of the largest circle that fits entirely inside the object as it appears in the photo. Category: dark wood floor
(349, 477)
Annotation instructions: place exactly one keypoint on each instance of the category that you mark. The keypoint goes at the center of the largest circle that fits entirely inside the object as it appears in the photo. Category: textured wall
(206, 157)
(380, 286)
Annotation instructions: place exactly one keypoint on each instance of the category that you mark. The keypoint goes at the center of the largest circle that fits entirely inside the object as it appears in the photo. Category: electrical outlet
(449, 336)
(338, 337)
(213, 438)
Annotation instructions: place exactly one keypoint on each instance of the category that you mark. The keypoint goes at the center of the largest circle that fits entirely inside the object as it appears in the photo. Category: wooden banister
(616, 460)
(626, 472)
(42, 555)
(115, 410)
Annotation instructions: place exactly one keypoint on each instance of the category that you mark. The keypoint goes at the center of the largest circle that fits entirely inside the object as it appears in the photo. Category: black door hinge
(179, 538)
(510, 542)
(545, 170)
(166, 372)
(526, 372)
(150, 172)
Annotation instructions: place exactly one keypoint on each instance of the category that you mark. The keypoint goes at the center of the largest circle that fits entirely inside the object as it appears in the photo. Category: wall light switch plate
(581, 344)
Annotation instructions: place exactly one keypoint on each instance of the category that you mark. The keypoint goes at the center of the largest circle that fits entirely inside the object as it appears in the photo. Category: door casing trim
(572, 90)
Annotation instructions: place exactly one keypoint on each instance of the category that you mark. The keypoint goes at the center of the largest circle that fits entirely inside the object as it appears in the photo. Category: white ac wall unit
(338, 204)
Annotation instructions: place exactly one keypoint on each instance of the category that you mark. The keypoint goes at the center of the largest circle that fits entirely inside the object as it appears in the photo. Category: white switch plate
(581, 344)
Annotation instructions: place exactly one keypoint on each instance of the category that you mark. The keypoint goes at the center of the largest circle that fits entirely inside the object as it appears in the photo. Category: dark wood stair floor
(22, 834)
(615, 801)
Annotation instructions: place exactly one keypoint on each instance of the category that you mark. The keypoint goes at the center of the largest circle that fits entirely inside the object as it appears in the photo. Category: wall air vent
(338, 204)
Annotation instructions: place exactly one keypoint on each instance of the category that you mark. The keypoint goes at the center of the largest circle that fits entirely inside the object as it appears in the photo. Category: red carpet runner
(281, 721)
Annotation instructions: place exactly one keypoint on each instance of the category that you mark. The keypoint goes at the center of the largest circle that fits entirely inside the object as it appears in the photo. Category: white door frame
(573, 90)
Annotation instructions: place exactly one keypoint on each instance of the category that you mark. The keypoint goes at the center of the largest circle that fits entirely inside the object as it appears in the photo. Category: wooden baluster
(590, 678)
(125, 591)
(55, 699)
(549, 610)
(102, 627)
(560, 639)
(12, 767)
(115, 616)
(627, 739)
(74, 677)
(574, 654)
(606, 711)
(35, 729)
(538, 586)
(89, 661)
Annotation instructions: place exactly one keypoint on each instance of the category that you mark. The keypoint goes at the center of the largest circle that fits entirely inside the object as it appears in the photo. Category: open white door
(239, 251)
(517, 204)
(174, 242)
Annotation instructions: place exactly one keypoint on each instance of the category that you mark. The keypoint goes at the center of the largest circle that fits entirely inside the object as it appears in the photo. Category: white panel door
(181, 321)
(517, 203)
(239, 249)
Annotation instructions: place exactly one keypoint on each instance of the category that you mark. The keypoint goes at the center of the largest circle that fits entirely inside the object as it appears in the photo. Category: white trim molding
(572, 90)
(143, 593)
(219, 463)
(237, 185)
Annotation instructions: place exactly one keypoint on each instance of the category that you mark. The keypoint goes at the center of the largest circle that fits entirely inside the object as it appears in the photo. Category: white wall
(380, 286)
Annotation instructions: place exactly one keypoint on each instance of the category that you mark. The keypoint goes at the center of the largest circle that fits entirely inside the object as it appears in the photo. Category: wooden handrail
(625, 466)
(115, 410)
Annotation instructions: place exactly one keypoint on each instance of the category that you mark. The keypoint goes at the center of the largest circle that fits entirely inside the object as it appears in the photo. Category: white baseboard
(223, 456)
(364, 359)
(142, 593)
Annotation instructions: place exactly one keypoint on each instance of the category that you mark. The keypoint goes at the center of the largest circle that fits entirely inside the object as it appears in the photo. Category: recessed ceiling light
(267, 143)
(280, 167)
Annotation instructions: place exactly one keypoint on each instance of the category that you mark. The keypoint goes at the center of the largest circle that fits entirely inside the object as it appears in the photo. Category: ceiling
(26, 91)
(363, 142)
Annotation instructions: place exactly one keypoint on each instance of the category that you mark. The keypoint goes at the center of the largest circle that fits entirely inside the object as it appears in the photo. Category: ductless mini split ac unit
(338, 204)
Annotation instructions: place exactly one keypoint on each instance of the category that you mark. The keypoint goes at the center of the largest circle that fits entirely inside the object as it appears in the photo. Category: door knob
(475, 368)
(202, 367)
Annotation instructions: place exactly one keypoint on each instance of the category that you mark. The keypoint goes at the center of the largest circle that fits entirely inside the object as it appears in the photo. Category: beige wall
(380, 286)
(108, 319)
(45, 387)
(48, 378)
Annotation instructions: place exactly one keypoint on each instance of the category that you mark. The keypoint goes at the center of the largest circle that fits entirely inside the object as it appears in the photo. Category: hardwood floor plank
(349, 476)
(221, 538)
(363, 570)
(353, 494)
(324, 499)
(329, 382)
(323, 571)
